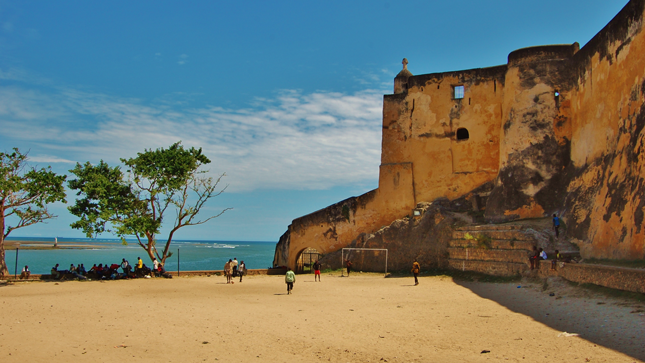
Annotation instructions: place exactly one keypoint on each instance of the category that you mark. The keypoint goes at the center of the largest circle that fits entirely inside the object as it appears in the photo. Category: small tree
(24, 195)
(160, 181)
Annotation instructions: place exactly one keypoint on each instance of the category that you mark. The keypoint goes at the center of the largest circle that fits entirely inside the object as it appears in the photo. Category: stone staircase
(500, 250)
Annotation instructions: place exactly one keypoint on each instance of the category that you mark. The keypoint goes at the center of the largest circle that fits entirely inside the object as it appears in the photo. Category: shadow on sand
(611, 322)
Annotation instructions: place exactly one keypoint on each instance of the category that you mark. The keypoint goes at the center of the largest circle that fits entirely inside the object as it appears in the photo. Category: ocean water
(187, 255)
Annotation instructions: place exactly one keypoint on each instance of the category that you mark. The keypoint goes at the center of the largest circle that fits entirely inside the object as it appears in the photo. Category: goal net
(365, 259)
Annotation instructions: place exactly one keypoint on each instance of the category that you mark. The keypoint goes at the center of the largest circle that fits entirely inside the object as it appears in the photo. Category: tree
(159, 182)
(24, 195)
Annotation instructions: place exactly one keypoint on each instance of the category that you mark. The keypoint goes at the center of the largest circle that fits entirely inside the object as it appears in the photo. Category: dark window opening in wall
(458, 92)
(462, 134)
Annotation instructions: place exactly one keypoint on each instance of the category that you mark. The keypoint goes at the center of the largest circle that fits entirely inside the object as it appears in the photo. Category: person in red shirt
(317, 271)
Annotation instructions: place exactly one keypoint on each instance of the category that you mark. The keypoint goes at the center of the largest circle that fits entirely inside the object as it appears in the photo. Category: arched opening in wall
(462, 134)
(306, 259)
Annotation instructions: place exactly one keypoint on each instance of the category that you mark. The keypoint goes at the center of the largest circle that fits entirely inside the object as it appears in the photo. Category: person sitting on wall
(81, 270)
(161, 271)
(533, 256)
(555, 260)
(55, 273)
(542, 254)
(24, 275)
(125, 266)
(138, 266)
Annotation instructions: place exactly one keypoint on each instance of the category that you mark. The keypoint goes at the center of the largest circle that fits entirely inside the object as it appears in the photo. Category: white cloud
(294, 141)
(49, 159)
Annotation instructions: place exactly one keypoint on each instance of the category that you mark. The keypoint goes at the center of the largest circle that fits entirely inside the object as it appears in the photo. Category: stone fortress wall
(558, 129)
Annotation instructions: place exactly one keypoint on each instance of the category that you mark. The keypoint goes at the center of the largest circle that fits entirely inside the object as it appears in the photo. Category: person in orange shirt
(415, 271)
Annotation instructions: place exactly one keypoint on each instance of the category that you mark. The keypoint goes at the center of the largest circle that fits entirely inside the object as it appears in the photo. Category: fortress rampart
(558, 129)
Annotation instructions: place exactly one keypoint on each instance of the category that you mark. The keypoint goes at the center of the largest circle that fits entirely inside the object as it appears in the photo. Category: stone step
(496, 268)
(498, 244)
(481, 254)
(491, 227)
(495, 234)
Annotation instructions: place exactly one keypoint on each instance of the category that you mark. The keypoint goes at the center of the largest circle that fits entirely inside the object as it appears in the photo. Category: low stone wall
(620, 278)
(495, 268)
(271, 271)
(480, 254)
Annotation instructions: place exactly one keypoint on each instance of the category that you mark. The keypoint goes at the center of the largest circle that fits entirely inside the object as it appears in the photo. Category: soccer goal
(347, 251)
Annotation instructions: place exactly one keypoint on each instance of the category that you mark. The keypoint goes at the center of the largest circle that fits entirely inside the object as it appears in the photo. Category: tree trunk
(4, 272)
(3, 264)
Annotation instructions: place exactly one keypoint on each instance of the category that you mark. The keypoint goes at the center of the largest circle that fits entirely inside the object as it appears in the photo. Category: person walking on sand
(556, 225)
(415, 271)
(241, 270)
(348, 264)
(290, 279)
(317, 271)
(227, 271)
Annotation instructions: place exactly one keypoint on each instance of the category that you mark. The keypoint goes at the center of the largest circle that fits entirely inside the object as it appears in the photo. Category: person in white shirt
(234, 266)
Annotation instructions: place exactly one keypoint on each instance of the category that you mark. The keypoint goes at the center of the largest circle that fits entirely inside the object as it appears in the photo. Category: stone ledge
(620, 278)
(480, 254)
(490, 227)
(495, 268)
(499, 244)
(272, 271)
(501, 235)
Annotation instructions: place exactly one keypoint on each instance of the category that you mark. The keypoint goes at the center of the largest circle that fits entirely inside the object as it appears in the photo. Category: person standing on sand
(227, 271)
(317, 271)
(348, 264)
(241, 270)
(415, 270)
(290, 279)
(234, 266)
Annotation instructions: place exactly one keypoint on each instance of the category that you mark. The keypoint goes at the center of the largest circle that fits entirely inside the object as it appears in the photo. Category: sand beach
(363, 318)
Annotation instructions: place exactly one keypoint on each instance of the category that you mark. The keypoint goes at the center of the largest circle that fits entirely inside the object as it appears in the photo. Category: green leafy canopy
(136, 202)
(25, 193)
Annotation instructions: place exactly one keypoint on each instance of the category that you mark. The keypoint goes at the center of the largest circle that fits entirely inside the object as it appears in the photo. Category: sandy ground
(364, 318)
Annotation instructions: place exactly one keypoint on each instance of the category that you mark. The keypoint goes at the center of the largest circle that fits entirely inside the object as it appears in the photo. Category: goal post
(349, 249)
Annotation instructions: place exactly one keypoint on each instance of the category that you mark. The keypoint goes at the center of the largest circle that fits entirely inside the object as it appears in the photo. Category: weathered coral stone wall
(421, 129)
(559, 129)
(606, 196)
(421, 159)
(536, 134)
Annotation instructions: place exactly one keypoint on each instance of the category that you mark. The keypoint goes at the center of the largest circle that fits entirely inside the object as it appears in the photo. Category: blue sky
(283, 96)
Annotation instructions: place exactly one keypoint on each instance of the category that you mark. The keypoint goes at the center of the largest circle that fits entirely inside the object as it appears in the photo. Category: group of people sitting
(539, 254)
(108, 271)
